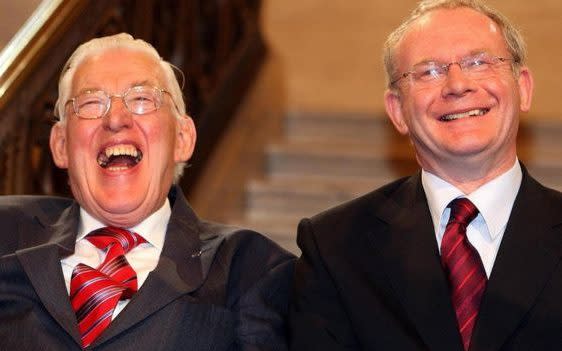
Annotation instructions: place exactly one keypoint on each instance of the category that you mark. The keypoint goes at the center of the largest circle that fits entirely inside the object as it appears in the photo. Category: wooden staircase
(325, 159)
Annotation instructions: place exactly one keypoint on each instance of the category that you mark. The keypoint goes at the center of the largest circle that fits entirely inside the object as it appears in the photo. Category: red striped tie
(94, 293)
(463, 266)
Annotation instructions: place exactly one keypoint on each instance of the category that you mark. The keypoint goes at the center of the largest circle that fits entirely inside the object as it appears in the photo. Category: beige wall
(13, 14)
(331, 50)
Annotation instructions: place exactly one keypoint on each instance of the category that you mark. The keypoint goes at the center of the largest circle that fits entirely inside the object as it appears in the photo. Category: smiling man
(126, 264)
(464, 255)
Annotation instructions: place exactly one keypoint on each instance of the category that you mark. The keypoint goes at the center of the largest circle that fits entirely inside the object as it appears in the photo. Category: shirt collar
(152, 229)
(494, 199)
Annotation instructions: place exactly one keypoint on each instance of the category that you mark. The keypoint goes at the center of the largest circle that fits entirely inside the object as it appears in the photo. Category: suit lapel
(411, 260)
(526, 260)
(183, 264)
(41, 263)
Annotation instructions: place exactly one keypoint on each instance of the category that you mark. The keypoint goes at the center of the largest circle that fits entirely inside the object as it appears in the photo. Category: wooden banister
(216, 43)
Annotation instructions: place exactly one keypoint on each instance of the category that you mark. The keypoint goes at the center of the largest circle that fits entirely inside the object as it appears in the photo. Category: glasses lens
(143, 99)
(427, 72)
(91, 104)
(477, 63)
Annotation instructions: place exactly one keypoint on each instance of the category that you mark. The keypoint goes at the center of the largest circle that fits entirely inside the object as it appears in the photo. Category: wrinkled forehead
(456, 19)
(449, 33)
(115, 70)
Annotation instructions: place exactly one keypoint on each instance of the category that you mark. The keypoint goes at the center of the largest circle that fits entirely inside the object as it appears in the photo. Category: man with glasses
(466, 253)
(126, 264)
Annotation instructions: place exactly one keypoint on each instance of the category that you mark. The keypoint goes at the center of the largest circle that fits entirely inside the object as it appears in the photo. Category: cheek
(418, 106)
(79, 138)
(503, 90)
(160, 136)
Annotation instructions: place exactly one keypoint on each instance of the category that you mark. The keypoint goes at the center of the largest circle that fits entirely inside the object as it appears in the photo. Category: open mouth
(119, 157)
(471, 113)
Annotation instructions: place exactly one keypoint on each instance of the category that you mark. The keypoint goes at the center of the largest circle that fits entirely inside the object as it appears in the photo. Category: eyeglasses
(476, 66)
(139, 100)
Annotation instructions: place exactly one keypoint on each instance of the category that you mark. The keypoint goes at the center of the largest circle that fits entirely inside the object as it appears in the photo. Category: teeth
(117, 168)
(105, 156)
(471, 113)
(119, 150)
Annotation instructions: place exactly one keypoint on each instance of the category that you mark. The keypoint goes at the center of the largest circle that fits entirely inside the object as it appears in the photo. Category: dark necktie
(94, 293)
(463, 267)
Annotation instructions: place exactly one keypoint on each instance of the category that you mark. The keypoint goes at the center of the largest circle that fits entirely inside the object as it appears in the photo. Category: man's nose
(457, 82)
(118, 116)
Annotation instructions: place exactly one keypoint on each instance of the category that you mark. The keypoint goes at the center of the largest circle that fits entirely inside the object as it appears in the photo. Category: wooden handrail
(32, 41)
(216, 43)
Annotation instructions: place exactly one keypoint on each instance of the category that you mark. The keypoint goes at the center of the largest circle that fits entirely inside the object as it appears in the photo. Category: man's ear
(526, 85)
(393, 105)
(185, 139)
(57, 142)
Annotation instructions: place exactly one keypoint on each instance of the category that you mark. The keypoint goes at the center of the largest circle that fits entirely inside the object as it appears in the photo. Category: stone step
(299, 197)
(338, 160)
(305, 197)
(358, 126)
(363, 160)
(540, 134)
(327, 159)
(363, 126)
(277, 213)
(281, 229)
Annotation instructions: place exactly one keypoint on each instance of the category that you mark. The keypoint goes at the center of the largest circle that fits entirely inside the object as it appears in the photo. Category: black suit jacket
(370, 277)
(214, 288)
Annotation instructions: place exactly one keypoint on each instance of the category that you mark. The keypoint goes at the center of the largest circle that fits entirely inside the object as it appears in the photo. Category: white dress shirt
(142, 258)
(494, 201)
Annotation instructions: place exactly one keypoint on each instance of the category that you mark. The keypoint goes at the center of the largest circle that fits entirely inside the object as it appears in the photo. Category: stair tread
(315, 184)
(282, 230)
(328, 115)
(360, 149)
(552, 125)
(340, 148)
(328, 158)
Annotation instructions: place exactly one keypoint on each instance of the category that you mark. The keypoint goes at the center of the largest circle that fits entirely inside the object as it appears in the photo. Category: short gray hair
(118, 41)
(513, 38)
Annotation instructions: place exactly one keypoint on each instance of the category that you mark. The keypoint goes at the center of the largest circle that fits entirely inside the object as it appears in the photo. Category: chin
(118, 201)
(471, 143)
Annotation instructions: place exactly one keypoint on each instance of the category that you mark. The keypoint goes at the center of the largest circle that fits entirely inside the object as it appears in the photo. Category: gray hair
(513, 38)
(118, 41)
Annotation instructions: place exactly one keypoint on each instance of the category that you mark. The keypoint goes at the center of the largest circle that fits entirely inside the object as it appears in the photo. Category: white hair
(112, 42)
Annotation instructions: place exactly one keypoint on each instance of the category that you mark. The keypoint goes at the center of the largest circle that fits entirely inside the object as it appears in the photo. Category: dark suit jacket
(370, 277)
(214, 288)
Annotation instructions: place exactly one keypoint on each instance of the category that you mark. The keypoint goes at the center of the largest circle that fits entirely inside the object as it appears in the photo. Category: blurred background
(286, 96)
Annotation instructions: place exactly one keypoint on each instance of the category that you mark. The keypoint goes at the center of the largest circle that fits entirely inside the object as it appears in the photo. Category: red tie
(94, 293)
(463, 266)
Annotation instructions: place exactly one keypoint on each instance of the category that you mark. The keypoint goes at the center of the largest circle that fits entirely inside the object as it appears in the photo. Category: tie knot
(106, 236)
(462, 211)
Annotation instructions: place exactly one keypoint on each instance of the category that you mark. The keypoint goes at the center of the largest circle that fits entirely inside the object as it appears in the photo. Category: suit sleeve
(318, 320)
(262, 309)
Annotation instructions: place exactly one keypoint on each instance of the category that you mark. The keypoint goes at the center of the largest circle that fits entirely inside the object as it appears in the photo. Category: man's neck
(469, 176)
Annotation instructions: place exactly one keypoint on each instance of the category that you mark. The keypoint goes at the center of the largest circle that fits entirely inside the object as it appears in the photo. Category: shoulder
(343, 230)
(359, 211)
(255, 276)
(243, 243)
(17, 211)
(27, 206)
(533, 191)
(250, 262)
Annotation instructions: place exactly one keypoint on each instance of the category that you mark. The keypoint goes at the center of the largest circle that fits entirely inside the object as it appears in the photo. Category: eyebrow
(142, 82)
(470, 53)
(134, 84)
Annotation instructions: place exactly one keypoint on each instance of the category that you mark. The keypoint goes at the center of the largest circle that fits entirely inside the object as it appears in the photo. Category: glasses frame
(122, 96)
(496, 60)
